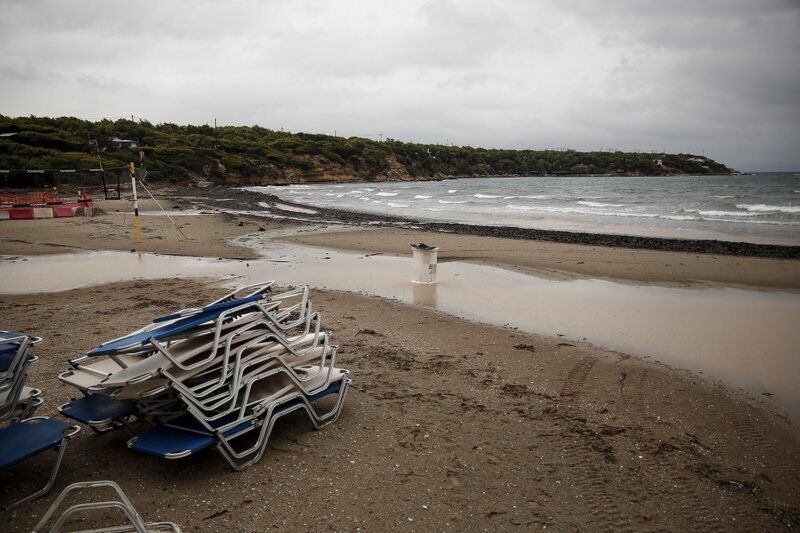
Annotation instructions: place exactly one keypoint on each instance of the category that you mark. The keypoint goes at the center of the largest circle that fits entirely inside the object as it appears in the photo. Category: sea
(760, 207)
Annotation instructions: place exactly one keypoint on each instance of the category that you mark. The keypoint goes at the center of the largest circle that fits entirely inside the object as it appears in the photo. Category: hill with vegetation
(252, 154)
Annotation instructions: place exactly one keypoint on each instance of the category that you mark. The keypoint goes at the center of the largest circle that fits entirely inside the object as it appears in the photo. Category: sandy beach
(451, 424)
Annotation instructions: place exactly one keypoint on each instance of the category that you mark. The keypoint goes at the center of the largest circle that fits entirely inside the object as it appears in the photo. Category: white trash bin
(424, 263)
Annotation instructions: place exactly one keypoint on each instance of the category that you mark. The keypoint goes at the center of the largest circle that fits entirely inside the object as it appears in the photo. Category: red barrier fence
(41, 198)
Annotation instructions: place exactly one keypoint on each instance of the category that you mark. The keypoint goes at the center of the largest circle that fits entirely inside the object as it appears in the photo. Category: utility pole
(381, 134)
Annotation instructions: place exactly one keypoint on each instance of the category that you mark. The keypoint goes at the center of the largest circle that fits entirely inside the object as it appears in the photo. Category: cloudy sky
(715, 76)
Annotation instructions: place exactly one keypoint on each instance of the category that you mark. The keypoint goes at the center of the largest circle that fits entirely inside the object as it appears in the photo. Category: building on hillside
(122, 144)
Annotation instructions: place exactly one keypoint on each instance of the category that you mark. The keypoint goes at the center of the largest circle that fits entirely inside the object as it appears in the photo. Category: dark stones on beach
(527, 347)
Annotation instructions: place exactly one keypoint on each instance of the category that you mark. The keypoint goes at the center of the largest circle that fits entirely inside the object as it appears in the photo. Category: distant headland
(256, 155)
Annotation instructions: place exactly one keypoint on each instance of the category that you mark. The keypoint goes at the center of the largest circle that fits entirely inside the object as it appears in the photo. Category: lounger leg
(44, 490)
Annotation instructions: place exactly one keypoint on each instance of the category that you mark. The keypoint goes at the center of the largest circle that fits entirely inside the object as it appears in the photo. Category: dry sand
(204, 235)
(449, 425)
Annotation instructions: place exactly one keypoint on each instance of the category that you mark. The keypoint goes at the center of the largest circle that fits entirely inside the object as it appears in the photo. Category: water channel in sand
(746, 338)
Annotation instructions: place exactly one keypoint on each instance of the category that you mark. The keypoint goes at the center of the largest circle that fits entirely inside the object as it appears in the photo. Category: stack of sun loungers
(22, 435)
(217, 376)
(17, 400)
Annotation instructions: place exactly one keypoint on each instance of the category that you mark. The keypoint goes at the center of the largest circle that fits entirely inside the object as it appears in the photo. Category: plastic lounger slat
(163, 441)
(6, 358)
(23, 440)
(190, 423)
(5, 335)
(96, 408)
(180, 326)
(333, 387)
(222, 306)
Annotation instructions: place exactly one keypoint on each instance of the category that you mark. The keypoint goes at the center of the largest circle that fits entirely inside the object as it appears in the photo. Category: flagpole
(137, 225)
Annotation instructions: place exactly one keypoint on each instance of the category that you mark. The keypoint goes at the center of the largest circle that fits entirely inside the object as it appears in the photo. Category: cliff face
(321, 171)
(255, 155)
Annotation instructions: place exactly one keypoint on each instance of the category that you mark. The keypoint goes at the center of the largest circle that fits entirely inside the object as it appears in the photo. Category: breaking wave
(763, 208)
(713, 213)
(598, 204)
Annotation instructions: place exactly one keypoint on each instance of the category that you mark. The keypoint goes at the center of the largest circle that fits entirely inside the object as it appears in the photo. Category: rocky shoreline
(220, 197)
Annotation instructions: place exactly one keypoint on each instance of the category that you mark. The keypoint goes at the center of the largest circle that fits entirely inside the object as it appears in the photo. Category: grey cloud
(719, 75)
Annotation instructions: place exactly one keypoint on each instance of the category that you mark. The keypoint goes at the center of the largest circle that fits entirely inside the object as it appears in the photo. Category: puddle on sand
(746, 338)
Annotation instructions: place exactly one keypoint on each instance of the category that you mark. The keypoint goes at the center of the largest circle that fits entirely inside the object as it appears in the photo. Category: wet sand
(570, 260)
(450, 425)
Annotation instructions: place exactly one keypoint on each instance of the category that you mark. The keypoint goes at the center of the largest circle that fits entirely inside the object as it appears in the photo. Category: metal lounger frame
(226, 449)
(256, 408)
(198, 409)
(198, 392)
(124, 504)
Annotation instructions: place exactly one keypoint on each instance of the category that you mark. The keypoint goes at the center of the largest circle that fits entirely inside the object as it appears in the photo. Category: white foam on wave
(421, 197)
(451, 191)
(552, 209)
(738, 216)
(763, 208)
(752, 221)
(680, 217)
(598, 204)
(715, 213)
(722, 196)
(589, 211)
(388, 193)
(537, 196)
(479, 195)
(393, 204)
(453, 201)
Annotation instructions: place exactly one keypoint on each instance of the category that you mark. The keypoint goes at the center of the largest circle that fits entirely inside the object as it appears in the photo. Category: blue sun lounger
(177, 327)
(7, 359)
(30, 437)
(98, 411)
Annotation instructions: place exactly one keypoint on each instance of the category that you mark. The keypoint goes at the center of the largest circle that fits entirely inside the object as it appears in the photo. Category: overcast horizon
(718, 77)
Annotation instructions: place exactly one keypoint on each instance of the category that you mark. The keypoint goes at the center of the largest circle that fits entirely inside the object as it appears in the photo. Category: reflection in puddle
(743, 337)
(423, 294)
